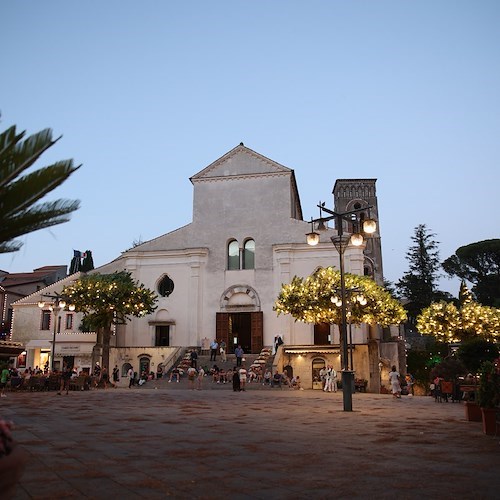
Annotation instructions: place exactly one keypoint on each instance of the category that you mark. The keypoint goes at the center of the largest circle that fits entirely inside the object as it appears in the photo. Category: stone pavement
(259, 444)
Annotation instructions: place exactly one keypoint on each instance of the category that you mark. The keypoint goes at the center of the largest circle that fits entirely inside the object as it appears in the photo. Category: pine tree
(418, 286)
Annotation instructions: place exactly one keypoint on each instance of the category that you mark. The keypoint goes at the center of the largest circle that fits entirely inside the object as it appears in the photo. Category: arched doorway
(241, 320)
(144, 364)
(317, 365)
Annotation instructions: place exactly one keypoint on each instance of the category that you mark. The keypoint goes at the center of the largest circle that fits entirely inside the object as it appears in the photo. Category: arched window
(233, 255)
(249, 255)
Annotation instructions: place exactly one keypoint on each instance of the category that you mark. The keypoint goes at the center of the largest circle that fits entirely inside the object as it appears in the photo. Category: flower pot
(11, 470)
(489, 421)
(472, 412)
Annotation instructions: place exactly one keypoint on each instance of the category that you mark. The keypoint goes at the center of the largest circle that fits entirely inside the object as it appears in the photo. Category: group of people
(218, 348)
(328, 376)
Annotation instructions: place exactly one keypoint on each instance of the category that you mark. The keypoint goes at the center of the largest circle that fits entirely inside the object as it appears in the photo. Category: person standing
(199, 378)
(65, 378)
(213, 350)
(394, 381)
(194, 359)
(236, 380)
(4, 378)
(243, 377)
(222, 350)
(105, 377)
(238, 352)
(130, 375)
(191, 373)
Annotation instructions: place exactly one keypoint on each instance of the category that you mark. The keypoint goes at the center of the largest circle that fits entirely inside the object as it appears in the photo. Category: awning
(39, 344)
(71, 349)
(10, 348)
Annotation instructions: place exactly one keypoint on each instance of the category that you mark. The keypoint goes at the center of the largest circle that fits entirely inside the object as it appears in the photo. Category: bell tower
(350, 194)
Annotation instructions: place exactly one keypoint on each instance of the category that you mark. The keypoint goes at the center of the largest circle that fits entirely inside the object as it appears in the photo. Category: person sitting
(267, 378)
(295, 383)
(277, 379)
(251, 375)
(222, 376)
(174, 374)
(215, 373)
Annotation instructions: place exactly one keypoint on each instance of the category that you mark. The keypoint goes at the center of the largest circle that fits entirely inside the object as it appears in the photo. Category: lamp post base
(347, 388)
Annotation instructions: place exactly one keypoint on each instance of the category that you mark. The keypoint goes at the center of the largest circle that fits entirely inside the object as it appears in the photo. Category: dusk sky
(146, 94)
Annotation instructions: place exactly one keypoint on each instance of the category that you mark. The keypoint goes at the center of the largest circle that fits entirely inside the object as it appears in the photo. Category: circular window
(165, 287)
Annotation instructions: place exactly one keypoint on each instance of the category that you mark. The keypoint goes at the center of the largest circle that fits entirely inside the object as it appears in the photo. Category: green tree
(107, 300)
(418, 286)
(478, 263)
(20, 212)
(474, 352)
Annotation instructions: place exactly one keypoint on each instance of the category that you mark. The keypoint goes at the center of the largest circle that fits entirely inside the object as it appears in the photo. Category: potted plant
(488, 396)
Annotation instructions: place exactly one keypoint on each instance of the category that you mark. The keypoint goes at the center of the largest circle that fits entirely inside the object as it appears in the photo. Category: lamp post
(56, 305)
(341, 242)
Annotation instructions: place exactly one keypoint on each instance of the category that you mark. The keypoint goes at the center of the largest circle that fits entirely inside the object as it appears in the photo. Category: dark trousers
(213, 354)
(238, 361)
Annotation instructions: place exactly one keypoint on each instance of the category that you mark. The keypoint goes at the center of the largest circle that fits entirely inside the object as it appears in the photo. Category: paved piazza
(259, 444)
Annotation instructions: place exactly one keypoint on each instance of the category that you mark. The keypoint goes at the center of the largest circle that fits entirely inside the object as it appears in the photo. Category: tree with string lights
(316, 299)
(107, 300)
(450, 323)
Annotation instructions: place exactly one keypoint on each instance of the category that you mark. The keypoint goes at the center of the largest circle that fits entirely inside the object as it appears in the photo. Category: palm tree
(19, 211)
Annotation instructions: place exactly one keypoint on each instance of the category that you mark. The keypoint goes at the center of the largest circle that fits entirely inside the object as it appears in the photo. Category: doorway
(322, 334)
(244, 329)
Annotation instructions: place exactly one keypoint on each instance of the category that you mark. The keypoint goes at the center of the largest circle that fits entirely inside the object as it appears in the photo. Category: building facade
(219, 276)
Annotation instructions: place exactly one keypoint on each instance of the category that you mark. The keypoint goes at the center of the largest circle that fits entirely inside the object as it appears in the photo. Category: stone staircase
(265, 358)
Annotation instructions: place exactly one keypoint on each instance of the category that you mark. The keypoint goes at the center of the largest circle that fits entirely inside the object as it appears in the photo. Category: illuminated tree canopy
(449, 323)
(316, 299)
(109, 299)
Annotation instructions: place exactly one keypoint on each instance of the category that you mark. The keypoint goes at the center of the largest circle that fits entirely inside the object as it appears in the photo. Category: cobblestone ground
(259, 444)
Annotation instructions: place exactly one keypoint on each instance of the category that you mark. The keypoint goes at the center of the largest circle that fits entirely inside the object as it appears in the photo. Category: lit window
(249, 255)
(69, 321)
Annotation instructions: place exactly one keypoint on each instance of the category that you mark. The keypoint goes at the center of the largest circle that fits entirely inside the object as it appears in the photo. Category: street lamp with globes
(362, 227)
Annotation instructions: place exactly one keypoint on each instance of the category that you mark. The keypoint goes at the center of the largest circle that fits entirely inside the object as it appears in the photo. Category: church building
(219, 276)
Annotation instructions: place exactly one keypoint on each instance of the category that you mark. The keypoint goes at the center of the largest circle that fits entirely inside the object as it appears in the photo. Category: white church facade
(219, 276)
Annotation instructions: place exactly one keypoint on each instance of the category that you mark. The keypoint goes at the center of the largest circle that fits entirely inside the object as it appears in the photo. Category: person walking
(116, 376)
(394, 381)
(65, 378)
(213, 350)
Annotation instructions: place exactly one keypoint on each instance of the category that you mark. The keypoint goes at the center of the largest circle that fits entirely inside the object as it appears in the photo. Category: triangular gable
(240, 161)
